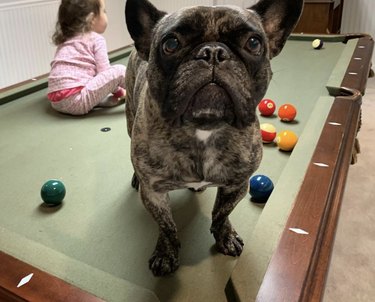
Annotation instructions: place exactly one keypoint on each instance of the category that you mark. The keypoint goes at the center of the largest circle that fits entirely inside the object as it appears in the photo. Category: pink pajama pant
(94, 92)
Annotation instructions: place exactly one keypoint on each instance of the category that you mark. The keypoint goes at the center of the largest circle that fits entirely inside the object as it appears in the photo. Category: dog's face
(214, 74)
(207, 65)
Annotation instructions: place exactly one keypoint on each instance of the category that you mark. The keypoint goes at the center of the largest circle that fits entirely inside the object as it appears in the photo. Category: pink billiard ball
(268, 132)
(267, 107)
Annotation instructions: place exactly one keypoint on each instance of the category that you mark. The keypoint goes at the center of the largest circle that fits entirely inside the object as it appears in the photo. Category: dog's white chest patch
(197, 185)
(203, 135)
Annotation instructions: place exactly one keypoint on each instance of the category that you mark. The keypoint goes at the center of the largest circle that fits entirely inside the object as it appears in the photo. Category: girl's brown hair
(73, 18)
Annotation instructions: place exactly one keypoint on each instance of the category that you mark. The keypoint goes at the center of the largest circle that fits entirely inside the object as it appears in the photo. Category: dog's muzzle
(211, 104)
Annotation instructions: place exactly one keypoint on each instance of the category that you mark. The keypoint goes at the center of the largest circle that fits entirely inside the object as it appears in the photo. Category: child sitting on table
(81, 77)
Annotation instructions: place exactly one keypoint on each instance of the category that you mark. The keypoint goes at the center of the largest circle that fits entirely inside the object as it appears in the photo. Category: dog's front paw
(229, 243)
(164, 260)
(162, 264)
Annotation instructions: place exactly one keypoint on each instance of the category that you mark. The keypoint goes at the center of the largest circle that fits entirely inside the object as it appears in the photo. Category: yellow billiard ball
(286, 140)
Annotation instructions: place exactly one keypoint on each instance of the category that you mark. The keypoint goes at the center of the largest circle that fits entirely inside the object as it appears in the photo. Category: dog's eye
(254, 45)
(170, 46)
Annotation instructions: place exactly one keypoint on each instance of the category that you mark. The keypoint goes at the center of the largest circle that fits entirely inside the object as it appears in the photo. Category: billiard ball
(286, 140)
(267, 107)
(53, 192)
(317, 44)
(261, 187)
(287, 112)
(268, 132)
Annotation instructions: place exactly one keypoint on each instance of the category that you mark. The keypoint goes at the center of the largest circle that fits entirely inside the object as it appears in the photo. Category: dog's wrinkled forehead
(210, 22)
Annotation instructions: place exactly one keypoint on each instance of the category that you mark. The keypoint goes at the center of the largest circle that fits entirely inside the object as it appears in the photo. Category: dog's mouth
(210, 105)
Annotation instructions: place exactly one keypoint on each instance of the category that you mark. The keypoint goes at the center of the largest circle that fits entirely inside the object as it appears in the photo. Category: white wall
(116, 33)
(359, 17)
(241, 3)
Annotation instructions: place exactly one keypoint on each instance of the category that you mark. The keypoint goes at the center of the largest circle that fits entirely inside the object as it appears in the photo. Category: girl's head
(79, 16)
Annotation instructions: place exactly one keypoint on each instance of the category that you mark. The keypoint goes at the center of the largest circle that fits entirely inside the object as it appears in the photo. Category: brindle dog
(193, 84)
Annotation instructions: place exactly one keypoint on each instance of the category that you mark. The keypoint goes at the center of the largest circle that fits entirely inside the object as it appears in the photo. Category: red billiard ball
(268, 132)
(287, 112)
(267, 107)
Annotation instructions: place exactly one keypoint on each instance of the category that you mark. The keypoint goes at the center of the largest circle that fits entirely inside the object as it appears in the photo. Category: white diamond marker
(321, 165)
(334, 124)
(25, 280)
(298, 231)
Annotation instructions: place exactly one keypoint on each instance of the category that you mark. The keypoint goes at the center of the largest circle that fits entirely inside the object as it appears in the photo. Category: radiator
(25, 34)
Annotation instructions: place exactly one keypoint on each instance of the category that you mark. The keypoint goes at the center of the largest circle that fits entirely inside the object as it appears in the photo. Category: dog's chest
(211, 164)
(203, 135)
(169, 159)
(193, 161)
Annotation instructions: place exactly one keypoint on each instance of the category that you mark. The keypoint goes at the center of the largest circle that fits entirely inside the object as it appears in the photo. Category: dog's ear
(141, 17)
(279, 17)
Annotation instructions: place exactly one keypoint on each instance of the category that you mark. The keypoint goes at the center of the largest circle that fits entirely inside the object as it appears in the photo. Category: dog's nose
(213, 53)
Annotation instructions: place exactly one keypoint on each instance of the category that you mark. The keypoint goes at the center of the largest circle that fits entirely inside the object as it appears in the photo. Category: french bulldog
(193, 84)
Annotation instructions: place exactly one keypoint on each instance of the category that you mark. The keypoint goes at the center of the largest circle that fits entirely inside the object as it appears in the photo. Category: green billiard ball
(53, 192)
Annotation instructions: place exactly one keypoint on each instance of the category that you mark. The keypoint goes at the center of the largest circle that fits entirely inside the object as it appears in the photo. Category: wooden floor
(352, 273)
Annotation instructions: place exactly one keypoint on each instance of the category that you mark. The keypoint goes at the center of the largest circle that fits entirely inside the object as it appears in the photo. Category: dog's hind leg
(228, 241)
(165, 258)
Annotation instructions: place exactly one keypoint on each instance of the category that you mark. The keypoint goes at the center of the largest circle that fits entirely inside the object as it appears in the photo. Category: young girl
(81, 77)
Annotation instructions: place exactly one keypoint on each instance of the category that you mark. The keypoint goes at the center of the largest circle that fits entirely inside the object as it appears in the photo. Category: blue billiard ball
(53, 192)
(261, 188)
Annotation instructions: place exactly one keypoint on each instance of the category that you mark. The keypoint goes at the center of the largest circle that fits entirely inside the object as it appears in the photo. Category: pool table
(95, 246)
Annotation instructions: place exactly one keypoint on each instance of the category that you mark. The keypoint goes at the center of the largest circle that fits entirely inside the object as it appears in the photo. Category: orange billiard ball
(286, 140)
(287, 112)
(267, 107)
(268, 132)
